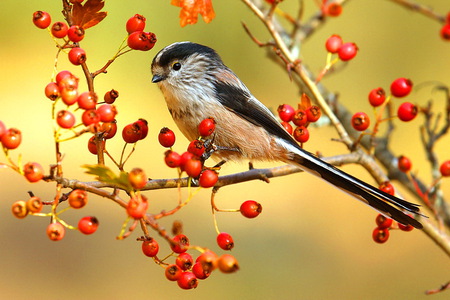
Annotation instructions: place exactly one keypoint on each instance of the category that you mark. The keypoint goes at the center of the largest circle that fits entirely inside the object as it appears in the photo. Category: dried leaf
(89, 14)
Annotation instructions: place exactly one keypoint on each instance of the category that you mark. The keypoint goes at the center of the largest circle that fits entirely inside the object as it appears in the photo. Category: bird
(196, 85)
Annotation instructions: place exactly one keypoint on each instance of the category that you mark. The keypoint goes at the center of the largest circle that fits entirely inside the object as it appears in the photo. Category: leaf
(89, 14)
(106, 175)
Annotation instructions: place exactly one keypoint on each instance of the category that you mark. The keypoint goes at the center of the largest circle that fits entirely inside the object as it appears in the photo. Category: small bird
(197, 85)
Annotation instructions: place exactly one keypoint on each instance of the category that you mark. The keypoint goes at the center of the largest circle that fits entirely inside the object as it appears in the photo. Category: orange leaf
(191, 8)
(89, 14)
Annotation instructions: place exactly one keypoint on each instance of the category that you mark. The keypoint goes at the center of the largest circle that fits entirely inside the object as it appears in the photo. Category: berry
(172, 159)
(88, 225)
(227, 263)
(107, 112)
(333, 43)
(56, 231)
(166, 137)
(333, 9)
(33, 172)
(67, 80)
(180, 243)
(63, 74)
(19, 209)
(109, 129)
(287, 127)
(196, 147)
(137, 178)
(131, 133)
(407, 111)
(208, 261)
(313, 113)
(41, 19)
(360, 121)
(69, 96)
(377, 97)
(405, 227)
(59, 30)
(445, 168)
(347, 51)
(387, 187)
(301, 134)
(185, 157)
(184, 261)
(150, 247)
(77, 56)
(380, 235)
(383, 222)
(207, 127)
(140, 40)
(135, 23)
(52, 91)
(445, 31)
(78, 198)
(286, 112)
(401, 87)
(299, 118)
(208, 178)
(12, 138)
(187, 281)
(142, 127)
(404, 164)
(199, 272)
(173, 272)
(250, 209)
(92, 146)
(193, 167)
(65, 119)
(89, 117)
(225, 241)
(2, 129)
(111, 96)
(75, 33)
(137, 207)
(34, 205)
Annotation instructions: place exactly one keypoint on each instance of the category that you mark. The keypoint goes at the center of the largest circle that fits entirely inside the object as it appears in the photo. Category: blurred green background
(310, 242)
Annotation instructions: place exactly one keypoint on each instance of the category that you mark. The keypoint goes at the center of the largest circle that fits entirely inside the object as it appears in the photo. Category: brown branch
(422, 9)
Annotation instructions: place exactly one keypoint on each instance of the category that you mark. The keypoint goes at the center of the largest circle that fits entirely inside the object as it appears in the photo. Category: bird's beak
(157, 78)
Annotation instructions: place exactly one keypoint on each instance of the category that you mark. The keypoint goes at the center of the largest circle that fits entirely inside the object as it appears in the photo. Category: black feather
(182, 50)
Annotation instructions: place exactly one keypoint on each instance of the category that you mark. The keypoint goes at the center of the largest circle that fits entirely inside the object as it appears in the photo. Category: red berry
(56, 231)
(225, 241)
(63, 74)
(286, 112)
(75, 33)
(78, 198)
(131, 133)
(184, 261)
(445, 32)
(92, 146)
(19, 209)
(301, 134)
(333, 9)
(69, 96)
(87, 100)
(401, 87)
(2, 129)
(33, 171)
(208, 260)
(405, 227)
(77, 56)
(380, 235)
(89, 117)
(88, 225)
(333, 43)
(360, 121)
(12, 138)
(208, 178)
(52, 91)
(173, 272)
(137, 178)
(180, 243)
(59, 30)
(250, 209)
(377, 97)
(196, 147)
(142, 128)
(227, 263)
(135, 23)
(387, 187)
(107, 112)
(445, 168)
(184, 158)
(300, 118)
(199, 272)
(150, 247)
(347, 51)
(187, 281)
(65, 119)
(140, 40)
(287, 127)
(383, 222)
(166, 137)
(41, 19)
(313, 113)
(34, 205)
(172, 159)
(407, 111)
(404, 164)
(109, 128)
(193, 167)
(137, 207)
(111, 96)
(207, 127)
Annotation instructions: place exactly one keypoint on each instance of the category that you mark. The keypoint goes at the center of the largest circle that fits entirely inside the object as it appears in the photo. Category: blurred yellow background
(310, 242)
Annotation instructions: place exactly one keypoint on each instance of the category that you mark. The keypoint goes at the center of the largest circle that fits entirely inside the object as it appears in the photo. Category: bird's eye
(176, 66)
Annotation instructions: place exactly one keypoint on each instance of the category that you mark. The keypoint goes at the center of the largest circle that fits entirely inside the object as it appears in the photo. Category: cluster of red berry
(138, 39)
(300, 117)
(345, 51)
